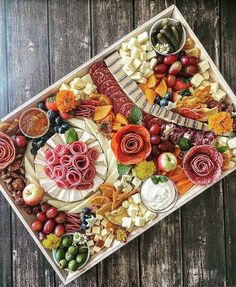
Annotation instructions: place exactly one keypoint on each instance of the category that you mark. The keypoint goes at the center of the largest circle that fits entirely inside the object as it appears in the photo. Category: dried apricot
(100, 200)
(105, 208)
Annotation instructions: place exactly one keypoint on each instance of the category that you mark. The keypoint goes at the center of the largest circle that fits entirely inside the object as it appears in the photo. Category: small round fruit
(73, 265)
(63, 263)
(154, 129)
(51, 114)
(58, 120)
(167, 161)
(41, 216)
(170, 59)
(161, 69)
(163, 102)
(69, 256)
(73, 249)
(59, 230)
(81, 258)
(33, 151)
(194, 61)
(155, 140)
(60, 218)
(67, 241)
(170, 81)
(65, 126)
(166, 146)
(20, 141)
(49, 226)
(168, 96)
(36, 225)
(157, 100)
(60, 254)
(185, 60)
(51, 212)
(42, 236)
(83, 249)
(155, 151)
(42, 106)
(45, 206)
(86, 210)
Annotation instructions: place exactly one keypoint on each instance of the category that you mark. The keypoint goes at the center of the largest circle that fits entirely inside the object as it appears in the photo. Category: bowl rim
(183, 37)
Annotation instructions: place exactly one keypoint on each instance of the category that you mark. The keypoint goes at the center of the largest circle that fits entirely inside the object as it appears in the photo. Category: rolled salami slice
(73, 177)
(78, 147)
(66, 160)
(7, 151)
(62, 183)
(49, 171)
(93, 154)
(131, 143)
(51, 157)
(61, 150)
(59, 171)
(80, 162)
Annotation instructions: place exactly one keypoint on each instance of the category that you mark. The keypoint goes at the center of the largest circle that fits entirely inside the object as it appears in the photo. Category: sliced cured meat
(59, 171)
(132, 143)
(112, 90)
(93, 154)
(84, 186)
(107, 84)
(89, 174)
(51, 157)
(117, 95)
(94, 67)
(62, 183)
(78, 147)
(102, 79)
(74, 177)
(49, 171)
(80, 162)
(202, 164)
(66, 160)
(61, 150)
(7, 151)
(119, 102)
(126, 109)
(101, 73)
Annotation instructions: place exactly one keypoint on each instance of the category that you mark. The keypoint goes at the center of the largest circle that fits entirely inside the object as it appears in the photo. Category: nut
(18, 184)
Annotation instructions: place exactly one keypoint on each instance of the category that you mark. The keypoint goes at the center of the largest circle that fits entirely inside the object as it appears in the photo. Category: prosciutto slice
(131, 143)
(92, 154)
(51, 157)
(78, 147)
(80, 162)
(7, 151)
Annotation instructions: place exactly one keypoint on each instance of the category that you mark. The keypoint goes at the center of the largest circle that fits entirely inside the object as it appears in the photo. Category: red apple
(167, 161)
(32, 194)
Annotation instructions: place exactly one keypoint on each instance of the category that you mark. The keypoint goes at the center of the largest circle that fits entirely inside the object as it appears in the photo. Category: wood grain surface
(40, 41)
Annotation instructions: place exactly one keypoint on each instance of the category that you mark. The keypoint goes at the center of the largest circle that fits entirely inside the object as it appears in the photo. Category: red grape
(166, 146)
(51, 212)
(192, 70)
(161, 69)
(170, 81)
(20, 141)
(155, 150)
(59, 230)
(60, 218)
(154, 129)
(41, 216)
(194, 61)
(185, 60)
(175, 68)
(36, 225)
(45, 206)
(170, 59)
(155, 139)
(42, 236)
(49, 226)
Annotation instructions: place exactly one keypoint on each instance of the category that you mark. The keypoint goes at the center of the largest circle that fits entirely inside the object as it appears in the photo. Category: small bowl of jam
(34, 123)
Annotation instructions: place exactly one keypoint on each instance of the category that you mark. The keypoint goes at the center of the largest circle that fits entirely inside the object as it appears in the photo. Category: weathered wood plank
(28, 74)
(160, 247)
(202, 219)
(5, 212)
(69, 37)
(110, 21)
(228, 65)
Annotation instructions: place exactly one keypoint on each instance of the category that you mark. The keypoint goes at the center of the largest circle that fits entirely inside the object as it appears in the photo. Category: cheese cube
(144, 67)
(222, 140)
(136, 198)
(149, 215)
(97, 237)
(143, 80)
(214, 88)
(64, 87)
(89, 230)
(96, 230)
(132, 210)
(87, 78)
(91, 251)
(152, 63)
(147, 46)
(124, 184)
(99, 216)
(97, 222)
(205, 83)
(104, 222)
(203, 65)
(137, 76)
(205, 75)
(89, 89)
(125, 204)
(97, 249)
(234, 152)
(232, 143)
(133, 171)
(77, 83)
(143, 56)
(135, 52)
(129, 69)
(109, 240)
(104, 232)
(118, 185)
(124, 46)
(124, 53)
(139, 221)
(132, 43)
(219, 95)
(148, 73)
(196, 80)
(126, 60)
(136, 63)
(76, 93)
(142, 208)
(136, 182)
(151, 54)
(127, 222)
(142, 37)
(128, 188)
(126, 177)
(90, 243)
(130, 200)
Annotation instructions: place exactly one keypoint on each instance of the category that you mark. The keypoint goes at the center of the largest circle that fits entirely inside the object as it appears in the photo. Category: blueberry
(83, 217)
(42, 106)
(157, 100)
(33, 151)
(83, 225)
(40, 143)
(85, 210)
(51, 115)
(61, 130)
(56, 129)
(163, 102)
(65, 126)
(58, 120)
(168, 96)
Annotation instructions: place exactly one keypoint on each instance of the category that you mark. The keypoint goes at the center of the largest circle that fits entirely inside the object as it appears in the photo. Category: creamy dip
(158, 197)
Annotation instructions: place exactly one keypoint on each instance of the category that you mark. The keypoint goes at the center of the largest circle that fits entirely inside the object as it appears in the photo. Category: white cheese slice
(151, 54)
(96, 145)
(68, 206)
(143, 56)
(136, 63)
(54, 141)
(49, 186)
(125, 60)
(74, 195)
(91, 125)
(39, 171)
(56, 203)
(124, 46)
(87, 138)
(113, 177)
(144, 67)
(135, 53)
(76, 122)
(101, 159)
(87, 78)
(203, 65)
(124, 53)
(101, 170)
(77, 83)
(40, 160)
(152, 63)
(128, 69)
(137, 76)
(97, 182)
(196, 80)
(64, 195)
(132, 42)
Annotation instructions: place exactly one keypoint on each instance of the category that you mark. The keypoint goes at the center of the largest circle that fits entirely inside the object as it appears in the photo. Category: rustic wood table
(40, 41)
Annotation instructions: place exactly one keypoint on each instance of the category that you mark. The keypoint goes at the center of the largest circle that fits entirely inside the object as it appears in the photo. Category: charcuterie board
(118, 144)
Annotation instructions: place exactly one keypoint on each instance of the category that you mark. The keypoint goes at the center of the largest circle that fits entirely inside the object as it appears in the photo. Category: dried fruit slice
(100, 200)
(101, 112)
(103, 99)
(107, 190)
(105, 208)
(112, 227)
(116, 215)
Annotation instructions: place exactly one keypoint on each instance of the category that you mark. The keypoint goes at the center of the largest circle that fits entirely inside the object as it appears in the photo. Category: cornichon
(164, 22)
(179, 29)
(175, 42)
(170, 38)
(162, 40)
(173, 28)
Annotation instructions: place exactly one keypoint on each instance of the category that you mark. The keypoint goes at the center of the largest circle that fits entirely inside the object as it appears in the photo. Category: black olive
(40, 143)
(35, 144)
(51, 115)
(42, 106)
(65, 126)
(58, 120)
(33, 151)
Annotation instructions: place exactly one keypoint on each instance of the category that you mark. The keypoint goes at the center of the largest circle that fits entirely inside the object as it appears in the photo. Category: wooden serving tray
(27, 220)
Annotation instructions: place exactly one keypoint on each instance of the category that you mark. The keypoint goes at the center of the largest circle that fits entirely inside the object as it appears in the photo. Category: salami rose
(49, 171)
(73, 177)
(66, 160)
(59, 171)
(61, 150)
(131, 144)
(202, 164)
(92, 154)
(78, 147)
(51, 157)
(7, 151)
(80, 162)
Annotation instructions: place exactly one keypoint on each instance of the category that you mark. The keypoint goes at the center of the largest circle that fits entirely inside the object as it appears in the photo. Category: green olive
(81, 258)
(60, 254)
(63, 263)
(69, 256)
(73, 249)
(67, 241)
(73, 265)
(83, 248)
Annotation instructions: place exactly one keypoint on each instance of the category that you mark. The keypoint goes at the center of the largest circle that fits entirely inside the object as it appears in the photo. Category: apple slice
(101, 112)
(121, 119)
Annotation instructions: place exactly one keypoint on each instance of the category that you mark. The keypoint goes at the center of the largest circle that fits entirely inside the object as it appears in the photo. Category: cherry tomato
(41, 216)
(185, 60)
(60, 218)
(194, 61)
(45, 206)
(20, 141)
(154, 129)
(36, 225)
(155, 140)
(42, 236)
(170, 81)
(161, 69)
(59, 230)
(51, 212)
(51, 103)
(170, 59)
(49, 226)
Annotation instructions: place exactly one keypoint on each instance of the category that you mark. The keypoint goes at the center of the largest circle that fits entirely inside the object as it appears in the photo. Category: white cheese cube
(222, 140)
(144, 67)
(124, 184)
(77, 83)
(142, 37)
(135, 53)
(124, 53)
(128, 188)
(76, 93)
(143, 56)
(97, 222)
(130, 200)
(133, 171)
(219, 95)
(205, 83)
(125, 204)
(137, 76)
(118, 185)
(205, 75)
(96, 230)
(127, 222)
(124, 46)
(196, 80)
(203, 65)
(64, 87)
(104, 222)
(137, 198)
(149, 215)
(129, 69)
(151, 54)
(142, 208)
(97, 237)
(132, 210)
(139, 221)
(87, 78)
(89, 89)
(126, 60)
(132, 43)
(136, 63)
(99, 217)
(126, 177)
(109, 240)
(97, 249)
(234, 152)
(90, 243)
(148, 73)
(104, 232)
(136, 182)
(147, 46)
(91, 251)
(143, 80)
(152, 63)
(232, 143)
(214, 88)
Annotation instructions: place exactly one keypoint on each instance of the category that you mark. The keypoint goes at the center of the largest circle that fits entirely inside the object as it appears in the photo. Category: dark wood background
(41, 41)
